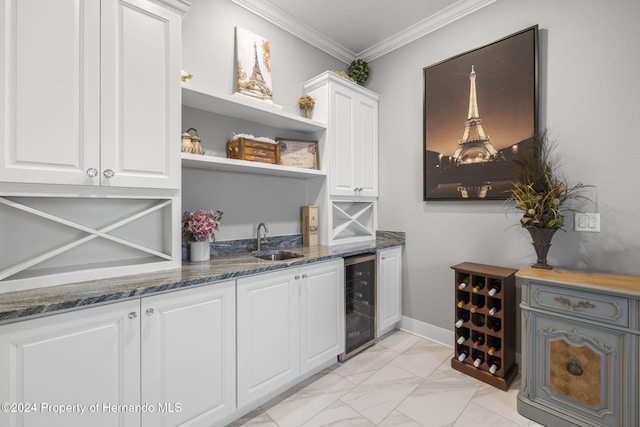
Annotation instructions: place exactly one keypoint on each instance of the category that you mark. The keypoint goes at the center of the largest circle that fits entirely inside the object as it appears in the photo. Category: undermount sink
(276, 255)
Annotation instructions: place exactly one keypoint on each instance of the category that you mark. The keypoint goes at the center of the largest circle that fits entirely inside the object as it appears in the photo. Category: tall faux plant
(540, 192)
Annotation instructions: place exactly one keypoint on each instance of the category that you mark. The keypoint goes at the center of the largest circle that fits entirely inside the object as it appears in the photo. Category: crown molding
(287, 22)
(428, 25)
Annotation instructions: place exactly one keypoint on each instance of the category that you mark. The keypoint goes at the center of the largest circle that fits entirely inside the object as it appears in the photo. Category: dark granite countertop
(21, 305)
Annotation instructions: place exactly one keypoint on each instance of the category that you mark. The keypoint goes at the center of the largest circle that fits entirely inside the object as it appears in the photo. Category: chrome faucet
(258, 240)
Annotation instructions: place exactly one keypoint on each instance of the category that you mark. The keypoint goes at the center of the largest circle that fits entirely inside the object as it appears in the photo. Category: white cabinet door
(321, 314)
(89, 359)
(342, 141)
(389, 289)
(353, 131)
(93, 96)
(367, 147)
(140, 95)
(49, 91)
(188, 356)
(268, 334)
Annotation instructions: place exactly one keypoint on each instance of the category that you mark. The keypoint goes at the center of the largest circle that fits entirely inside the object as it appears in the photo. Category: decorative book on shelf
(485, 323)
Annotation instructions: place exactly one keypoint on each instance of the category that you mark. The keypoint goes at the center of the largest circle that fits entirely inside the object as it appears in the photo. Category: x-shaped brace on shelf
(93, 233)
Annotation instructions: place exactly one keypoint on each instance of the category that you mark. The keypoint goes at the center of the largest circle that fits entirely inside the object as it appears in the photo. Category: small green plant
(359, 71)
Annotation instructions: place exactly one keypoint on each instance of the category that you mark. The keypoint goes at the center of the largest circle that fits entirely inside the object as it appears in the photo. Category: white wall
(589, 102)
(208, 52)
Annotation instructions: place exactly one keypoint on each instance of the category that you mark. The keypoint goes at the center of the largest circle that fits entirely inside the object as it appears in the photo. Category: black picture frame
(468, 148)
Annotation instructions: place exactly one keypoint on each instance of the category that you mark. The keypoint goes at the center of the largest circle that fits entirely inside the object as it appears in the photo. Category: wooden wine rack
(487, 335)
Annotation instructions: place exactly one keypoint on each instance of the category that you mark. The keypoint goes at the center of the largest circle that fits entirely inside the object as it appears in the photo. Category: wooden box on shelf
(485, 323)
(254, 151)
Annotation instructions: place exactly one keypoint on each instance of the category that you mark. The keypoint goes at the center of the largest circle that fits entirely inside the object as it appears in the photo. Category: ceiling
(365, 29)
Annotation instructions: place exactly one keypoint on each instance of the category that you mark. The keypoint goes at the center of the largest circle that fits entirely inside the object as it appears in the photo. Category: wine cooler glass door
(360, 300)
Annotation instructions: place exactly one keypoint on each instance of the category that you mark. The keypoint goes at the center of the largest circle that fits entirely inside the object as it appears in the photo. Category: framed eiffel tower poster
(480, 108)
(253, 65)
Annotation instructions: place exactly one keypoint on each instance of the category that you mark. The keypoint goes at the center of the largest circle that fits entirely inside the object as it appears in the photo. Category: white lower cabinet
(193, 357)
(189, 356)
(87, 359)
(288, 323)
(165, 360)
(321, 314)
(389, 286)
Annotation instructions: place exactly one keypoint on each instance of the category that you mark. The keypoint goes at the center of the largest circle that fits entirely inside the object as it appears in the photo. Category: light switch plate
(586, 222)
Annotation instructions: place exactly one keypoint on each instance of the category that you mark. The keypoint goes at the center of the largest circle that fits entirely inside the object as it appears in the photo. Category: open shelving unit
(352, 221)
(254, 111)
(485, 323)
(241, 107)
(197, 161)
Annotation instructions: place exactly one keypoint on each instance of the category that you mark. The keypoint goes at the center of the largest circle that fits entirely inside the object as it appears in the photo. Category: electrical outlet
(586, 222)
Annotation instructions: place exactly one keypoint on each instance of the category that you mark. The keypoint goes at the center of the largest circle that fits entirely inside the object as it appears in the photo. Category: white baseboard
(428, 331)
(435, 333)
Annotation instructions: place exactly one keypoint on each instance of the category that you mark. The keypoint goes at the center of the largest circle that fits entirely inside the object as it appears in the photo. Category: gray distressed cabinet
(579, 348)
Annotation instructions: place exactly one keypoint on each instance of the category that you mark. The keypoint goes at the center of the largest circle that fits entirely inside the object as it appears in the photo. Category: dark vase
(542, 242)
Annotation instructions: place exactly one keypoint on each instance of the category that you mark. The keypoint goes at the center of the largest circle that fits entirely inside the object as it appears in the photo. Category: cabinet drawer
(594, 306)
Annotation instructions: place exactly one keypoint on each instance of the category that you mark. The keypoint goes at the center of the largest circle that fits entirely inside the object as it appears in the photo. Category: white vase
(200, 251)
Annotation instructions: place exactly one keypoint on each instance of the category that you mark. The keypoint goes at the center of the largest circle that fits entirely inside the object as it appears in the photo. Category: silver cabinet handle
(133, 315)
(296, 277)
(304, 276)
(149, 312)
(92, 172)
(108, 173)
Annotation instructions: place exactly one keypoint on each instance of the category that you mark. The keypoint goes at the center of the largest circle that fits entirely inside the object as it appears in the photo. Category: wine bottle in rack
(478, 300)
(473, 308)
(494, 288)
(478, 286)
(462, 356)
(495, 325)
(494, 306)
(494, 344)
(464, 282)
(477, 361)
(461, 339)
(478, 341)
(463, 316)
(494, 364)
(477, 319)
(463, 298)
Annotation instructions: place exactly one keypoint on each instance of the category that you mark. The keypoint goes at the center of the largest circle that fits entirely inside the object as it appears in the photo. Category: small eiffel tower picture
(253, 53)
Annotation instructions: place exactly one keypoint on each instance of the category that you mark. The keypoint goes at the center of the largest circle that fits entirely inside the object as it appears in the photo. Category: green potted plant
(359, 71)
(540, 192)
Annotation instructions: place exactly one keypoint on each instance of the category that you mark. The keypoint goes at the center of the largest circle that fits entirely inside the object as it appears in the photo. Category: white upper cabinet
(351, 114)
(90, 93)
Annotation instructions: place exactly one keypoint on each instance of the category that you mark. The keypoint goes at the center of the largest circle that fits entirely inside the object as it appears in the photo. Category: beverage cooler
(360, 303)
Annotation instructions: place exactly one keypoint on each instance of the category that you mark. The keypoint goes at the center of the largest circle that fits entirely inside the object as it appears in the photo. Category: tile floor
(403, 380)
